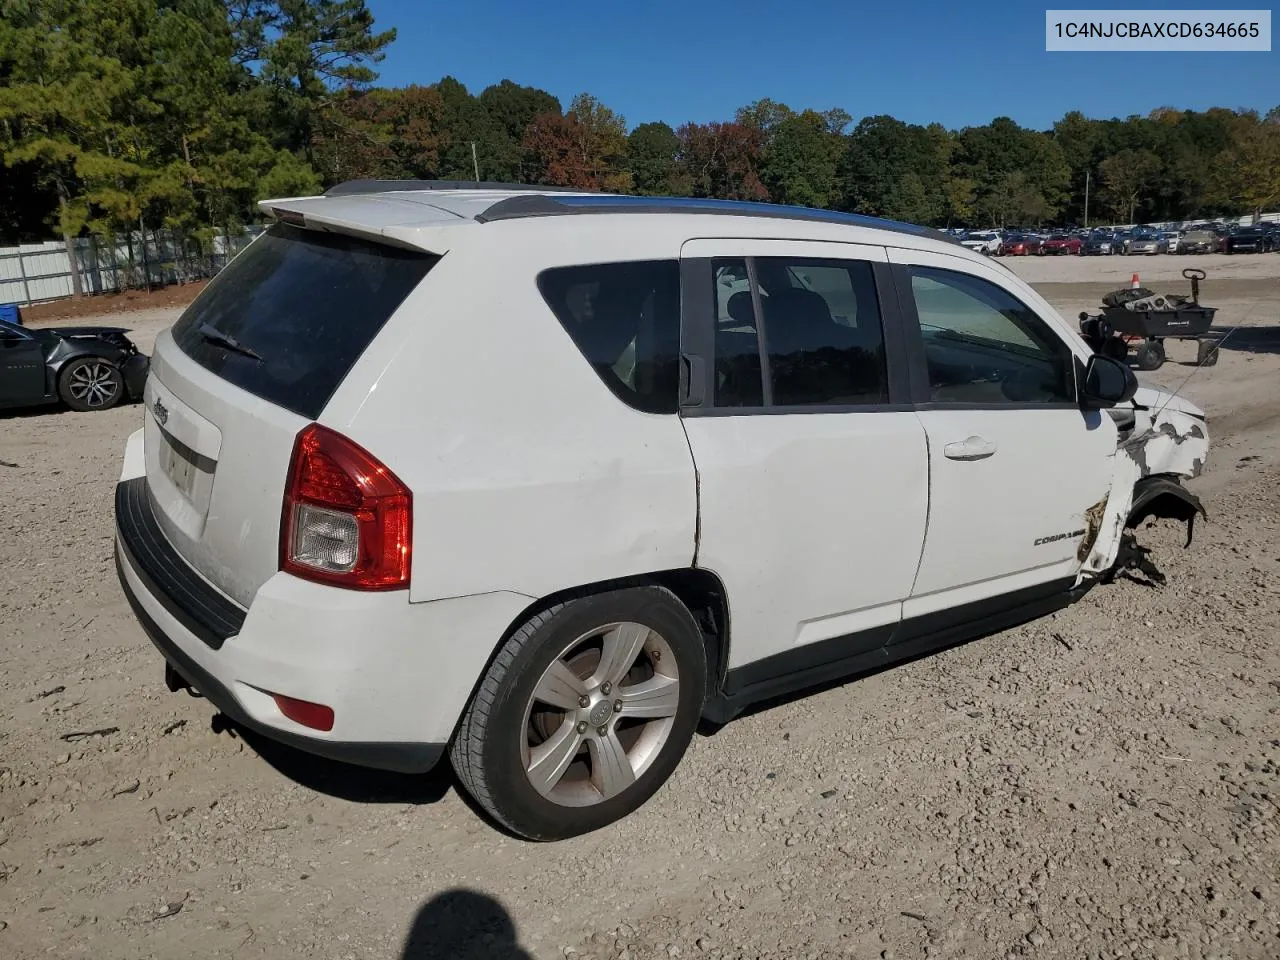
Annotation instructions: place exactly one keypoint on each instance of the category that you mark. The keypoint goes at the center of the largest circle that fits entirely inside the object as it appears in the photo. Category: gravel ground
(1101, 783)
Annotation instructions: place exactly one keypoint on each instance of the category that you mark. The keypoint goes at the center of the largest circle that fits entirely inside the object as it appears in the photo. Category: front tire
(584, 713)
(90, 383)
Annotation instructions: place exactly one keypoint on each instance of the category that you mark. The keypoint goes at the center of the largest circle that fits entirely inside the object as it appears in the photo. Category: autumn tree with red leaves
(723, 160)
(584, 148)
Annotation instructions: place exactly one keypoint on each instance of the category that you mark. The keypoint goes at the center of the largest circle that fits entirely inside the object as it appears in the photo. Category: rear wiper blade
(214, 335)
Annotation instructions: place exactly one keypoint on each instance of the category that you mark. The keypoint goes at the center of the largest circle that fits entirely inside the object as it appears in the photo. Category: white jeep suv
(540, 479)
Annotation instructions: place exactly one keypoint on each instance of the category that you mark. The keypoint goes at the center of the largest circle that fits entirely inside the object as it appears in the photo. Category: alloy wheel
(600, 714)
(94, 384)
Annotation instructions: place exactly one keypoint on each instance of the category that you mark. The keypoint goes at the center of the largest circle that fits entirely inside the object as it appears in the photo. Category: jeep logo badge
(162, 415)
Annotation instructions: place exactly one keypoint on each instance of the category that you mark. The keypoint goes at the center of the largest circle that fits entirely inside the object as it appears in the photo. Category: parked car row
(1136, 241)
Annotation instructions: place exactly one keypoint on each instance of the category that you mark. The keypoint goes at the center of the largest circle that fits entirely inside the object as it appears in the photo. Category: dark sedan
(87, 368)
(1022, 245)
(1254, 238)
(1100, 243)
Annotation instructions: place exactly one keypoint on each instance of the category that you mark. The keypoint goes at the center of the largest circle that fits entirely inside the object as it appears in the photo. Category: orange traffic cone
(1134, 282)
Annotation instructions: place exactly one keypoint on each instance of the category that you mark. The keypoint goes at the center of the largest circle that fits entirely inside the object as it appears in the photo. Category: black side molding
(842, 658)
(183, 592)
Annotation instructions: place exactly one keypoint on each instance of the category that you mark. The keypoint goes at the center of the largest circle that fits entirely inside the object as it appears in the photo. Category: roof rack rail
(353, 187)
(538, 205)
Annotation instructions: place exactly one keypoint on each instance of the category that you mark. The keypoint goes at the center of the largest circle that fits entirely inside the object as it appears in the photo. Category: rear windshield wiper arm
(214, 335)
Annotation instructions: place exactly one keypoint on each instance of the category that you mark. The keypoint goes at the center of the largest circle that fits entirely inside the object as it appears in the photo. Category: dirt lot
(1102, 783)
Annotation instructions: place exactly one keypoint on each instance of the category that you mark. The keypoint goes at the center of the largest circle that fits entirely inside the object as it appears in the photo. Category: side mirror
(1106, 382)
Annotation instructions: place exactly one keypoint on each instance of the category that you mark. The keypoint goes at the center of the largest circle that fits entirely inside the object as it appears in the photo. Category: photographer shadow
(463, 925)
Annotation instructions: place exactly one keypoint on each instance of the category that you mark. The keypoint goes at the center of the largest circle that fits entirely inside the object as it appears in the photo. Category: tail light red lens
(347, 519)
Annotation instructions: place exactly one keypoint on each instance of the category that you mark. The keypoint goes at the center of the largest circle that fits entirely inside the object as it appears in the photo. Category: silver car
(1149, 244)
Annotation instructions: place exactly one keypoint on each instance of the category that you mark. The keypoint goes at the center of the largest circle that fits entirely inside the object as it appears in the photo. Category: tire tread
(465, 750)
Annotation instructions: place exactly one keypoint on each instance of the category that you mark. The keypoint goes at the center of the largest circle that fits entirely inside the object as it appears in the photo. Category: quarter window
(984, 346)
(625, 318)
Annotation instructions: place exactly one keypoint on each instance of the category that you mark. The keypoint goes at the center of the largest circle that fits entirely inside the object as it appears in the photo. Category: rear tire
(1150, 355)
(90, 383)
(530, 748)
(1206, 352)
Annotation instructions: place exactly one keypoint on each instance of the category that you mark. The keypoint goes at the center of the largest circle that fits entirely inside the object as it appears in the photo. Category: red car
(1060, 243)
(1022, 246)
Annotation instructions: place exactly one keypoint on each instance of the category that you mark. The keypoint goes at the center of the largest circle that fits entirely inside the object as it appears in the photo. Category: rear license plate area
(179, 465)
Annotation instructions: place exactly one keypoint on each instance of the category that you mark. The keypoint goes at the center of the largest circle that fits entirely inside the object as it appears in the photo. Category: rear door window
(821, 330)
(625, 319)
(306, 303)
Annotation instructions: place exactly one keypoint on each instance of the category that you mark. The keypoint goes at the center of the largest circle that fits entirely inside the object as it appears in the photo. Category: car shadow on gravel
(345, 781)
(462, 924)
(355, 784)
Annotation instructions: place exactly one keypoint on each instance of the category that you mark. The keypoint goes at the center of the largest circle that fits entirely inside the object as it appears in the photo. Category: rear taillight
(347, 519)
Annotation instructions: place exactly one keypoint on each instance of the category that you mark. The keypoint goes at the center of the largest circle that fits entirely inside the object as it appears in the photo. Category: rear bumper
(400, 757)
(396, 674)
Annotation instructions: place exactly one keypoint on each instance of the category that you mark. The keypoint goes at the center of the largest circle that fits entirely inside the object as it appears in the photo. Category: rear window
(306, 303)
(625, 318)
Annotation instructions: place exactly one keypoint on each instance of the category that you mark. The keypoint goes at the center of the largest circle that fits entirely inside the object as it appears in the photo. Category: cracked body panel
(1169, 442)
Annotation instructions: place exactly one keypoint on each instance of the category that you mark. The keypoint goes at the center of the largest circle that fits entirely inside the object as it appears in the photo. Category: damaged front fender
(1164, 497)
(1167, 442)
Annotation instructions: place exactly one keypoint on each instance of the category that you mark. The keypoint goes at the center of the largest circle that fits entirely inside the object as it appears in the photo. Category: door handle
(974, 448)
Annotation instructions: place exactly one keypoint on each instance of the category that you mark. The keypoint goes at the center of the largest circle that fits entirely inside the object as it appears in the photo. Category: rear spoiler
(379, 219)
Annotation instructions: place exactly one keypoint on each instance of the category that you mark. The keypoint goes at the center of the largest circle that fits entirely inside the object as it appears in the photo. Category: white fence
(34, 272)
(1183, 224)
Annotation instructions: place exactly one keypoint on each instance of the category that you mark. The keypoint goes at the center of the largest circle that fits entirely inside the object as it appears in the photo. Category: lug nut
(617, 706)
(584, 702)
(606, 687)
(603, 731)
(582, 726)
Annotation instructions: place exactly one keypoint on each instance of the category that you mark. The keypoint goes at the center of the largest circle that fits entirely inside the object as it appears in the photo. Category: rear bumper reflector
(314, 715)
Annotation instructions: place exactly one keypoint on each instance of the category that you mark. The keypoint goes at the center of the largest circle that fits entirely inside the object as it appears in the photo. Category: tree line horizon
(126, 115)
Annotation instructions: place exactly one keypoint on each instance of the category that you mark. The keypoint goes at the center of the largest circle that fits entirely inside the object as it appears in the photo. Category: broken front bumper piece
(1166, 443)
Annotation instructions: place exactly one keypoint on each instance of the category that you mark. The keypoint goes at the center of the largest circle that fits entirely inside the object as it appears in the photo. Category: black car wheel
(90, 383)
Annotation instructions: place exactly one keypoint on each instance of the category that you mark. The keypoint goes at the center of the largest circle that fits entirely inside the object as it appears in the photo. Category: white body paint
(529, 478)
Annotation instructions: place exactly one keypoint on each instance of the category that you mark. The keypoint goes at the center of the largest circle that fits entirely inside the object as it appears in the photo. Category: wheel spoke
(656, 697)
(560, 687)
(621, 646)
(549, 760)
(611, 770)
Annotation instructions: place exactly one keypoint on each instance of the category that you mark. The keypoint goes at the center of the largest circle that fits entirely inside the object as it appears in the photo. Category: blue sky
(959, 62)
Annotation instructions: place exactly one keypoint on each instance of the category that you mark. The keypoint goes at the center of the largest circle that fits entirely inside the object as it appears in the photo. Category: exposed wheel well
(699, 590)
